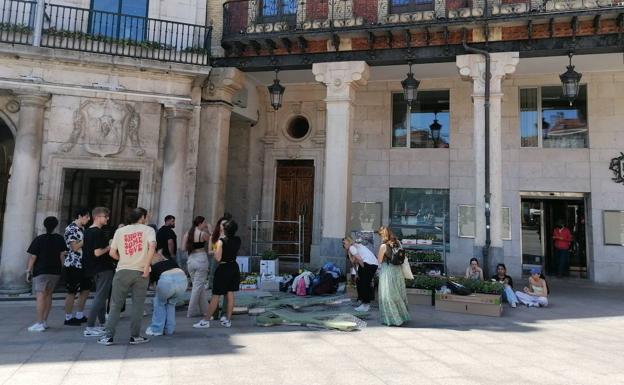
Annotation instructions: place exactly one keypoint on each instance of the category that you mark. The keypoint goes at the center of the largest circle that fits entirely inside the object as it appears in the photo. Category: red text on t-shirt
(133, 243)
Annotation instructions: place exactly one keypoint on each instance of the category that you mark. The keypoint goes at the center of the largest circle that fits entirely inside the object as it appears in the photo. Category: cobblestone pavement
(579, 339)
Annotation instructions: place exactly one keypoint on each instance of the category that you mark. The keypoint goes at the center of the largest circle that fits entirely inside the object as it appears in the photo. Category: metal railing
(17, 20)
(88, 30)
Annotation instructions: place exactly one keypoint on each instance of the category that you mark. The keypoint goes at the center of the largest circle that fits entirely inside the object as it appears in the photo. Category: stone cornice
(223, 84)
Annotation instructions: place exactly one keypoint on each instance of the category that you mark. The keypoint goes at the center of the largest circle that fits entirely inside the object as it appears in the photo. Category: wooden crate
(420, 297)
(477, 304)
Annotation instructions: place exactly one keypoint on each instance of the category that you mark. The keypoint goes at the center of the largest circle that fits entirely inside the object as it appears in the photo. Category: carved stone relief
(106, 126)
(12, 106)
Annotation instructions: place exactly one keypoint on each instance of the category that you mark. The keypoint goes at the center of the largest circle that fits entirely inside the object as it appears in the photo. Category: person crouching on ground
(134, 246)
(502, 277)
(536, 294)
(393, 309)
(47, 253)
(171, 284)
(227, 275)
(367, 264)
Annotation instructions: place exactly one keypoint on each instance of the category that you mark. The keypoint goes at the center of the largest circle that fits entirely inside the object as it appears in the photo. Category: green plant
(481, 287)
(424, 256)
(269, 255)
(17, 28)
(425, 282)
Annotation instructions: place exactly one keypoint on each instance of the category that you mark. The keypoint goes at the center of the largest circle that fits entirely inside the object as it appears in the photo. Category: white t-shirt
(364, 253)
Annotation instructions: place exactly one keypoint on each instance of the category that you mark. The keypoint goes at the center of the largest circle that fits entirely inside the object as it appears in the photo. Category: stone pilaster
(172, 194)
(472, 67)
(21, 202)
(341, 80)
(214, 140)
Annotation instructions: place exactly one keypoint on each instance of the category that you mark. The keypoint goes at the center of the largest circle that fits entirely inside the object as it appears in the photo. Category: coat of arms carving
(105, 126)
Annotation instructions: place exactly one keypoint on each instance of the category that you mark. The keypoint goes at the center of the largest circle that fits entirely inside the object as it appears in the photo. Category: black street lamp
(436, 129)
(276, 92)
(410, 87)
(570, 82)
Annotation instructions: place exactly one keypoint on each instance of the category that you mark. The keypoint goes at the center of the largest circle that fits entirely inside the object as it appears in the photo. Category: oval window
(298, 127)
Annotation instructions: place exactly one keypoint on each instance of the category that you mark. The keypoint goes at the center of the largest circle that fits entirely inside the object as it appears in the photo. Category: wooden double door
(294, 197)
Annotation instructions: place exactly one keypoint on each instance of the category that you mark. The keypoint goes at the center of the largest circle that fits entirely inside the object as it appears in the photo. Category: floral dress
(393, 309)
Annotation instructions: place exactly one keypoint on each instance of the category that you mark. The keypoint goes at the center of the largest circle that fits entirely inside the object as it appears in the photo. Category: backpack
(397, 254)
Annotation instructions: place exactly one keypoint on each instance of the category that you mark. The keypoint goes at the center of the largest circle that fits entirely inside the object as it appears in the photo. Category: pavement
(578, 339)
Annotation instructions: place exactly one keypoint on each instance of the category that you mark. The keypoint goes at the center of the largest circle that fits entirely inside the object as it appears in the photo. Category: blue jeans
(509, 295)
(170, 288)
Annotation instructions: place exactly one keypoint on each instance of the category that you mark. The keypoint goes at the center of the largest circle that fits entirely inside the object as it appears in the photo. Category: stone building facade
(148, 122)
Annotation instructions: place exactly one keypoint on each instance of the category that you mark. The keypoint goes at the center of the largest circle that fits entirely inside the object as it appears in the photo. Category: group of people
(535, 294)
(136, 256)
(393, 306)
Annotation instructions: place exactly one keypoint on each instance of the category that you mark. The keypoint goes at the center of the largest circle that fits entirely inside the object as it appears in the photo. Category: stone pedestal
(341, 80)
(214, 140)
(472, 67)
(21, 202)
(172, 195)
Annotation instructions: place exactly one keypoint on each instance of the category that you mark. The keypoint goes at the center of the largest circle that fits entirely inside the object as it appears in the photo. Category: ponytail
(190, 237)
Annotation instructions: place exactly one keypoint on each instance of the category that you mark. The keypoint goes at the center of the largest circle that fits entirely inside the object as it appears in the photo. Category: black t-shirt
(48, 249)
(230, 249)
(508, 278)
(160, 267)
(95, 238)
(163, 236)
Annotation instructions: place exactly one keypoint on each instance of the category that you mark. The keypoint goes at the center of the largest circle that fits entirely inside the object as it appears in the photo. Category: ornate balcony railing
(17, 18)
(88, 30)
(248, 17)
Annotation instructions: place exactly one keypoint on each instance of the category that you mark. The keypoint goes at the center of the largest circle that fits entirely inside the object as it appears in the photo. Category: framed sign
(613, 227)
(366, 216)
(506, 224)
(466, 221)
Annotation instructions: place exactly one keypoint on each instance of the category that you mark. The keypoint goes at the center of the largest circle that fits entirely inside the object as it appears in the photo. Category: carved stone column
(472, 67)
(173, 181)
(214, 140)
(342, 80)
(21, 202)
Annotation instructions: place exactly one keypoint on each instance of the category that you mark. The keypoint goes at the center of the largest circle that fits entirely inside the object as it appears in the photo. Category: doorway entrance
(116, 190)
(294, 196)
(540, 214)
(7, 144)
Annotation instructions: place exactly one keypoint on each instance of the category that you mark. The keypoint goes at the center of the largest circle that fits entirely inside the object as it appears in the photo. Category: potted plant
(485, 298)
(421, 289)
(269, 264)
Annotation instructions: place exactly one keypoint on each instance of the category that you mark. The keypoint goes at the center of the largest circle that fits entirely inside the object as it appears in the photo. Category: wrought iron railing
(109, 33)
(17, 19)
(247, 17)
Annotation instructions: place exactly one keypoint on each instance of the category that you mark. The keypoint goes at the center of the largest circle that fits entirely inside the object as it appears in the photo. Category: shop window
(404, 6)
(425, 125)
(119, 19)
(420, 213)
(278, 9)
(548, 120)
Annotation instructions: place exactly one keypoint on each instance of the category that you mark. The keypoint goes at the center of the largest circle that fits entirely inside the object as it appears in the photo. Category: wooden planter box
(420, 297)
(477, 304)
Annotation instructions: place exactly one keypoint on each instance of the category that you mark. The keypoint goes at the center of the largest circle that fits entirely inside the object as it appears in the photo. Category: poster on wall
(613, 222)
(506, 224)
(366, 216)
(466, 221)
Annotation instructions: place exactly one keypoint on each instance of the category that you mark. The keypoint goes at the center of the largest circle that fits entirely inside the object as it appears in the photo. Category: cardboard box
(420, 297)
(268, 285)
(243, 264)
(477, 304)
(269, 267)
(248, 287)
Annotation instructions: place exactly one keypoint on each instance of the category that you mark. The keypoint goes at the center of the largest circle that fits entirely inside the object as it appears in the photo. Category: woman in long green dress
(392, 295)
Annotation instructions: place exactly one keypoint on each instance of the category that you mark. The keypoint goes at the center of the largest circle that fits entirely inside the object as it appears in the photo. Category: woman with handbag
(393, 309)
(367, 264)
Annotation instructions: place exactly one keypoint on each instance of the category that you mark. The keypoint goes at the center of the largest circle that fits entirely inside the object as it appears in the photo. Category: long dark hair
(190, 238)
(216, 232)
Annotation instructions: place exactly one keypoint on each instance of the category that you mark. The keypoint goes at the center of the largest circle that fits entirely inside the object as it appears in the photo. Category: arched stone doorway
(7, 144)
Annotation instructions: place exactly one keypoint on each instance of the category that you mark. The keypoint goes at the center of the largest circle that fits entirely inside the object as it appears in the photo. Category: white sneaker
(223, 319)
(93, 332)
(151, 332)
(513, 304)
(363, 307)
(36, 328)
(202, 324)
(45, 325)
(226, 323)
